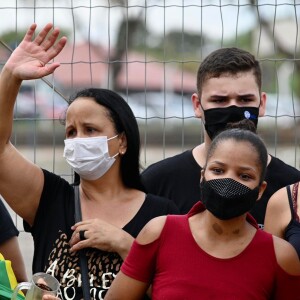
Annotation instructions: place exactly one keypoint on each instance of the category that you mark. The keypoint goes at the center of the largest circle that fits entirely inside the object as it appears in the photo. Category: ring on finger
(81, 235)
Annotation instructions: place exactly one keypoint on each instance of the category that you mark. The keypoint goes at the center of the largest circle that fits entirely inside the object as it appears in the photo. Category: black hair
(229, 61)
(245, 124)
(243, 134)
(124, 122)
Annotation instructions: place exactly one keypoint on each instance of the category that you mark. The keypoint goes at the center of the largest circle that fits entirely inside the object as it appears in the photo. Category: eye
(217, 171)
(70, 133)
(246, 99)
(220, 100)
(246, 177)
(90, 129)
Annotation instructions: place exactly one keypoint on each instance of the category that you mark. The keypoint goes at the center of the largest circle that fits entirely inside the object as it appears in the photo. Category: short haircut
(228, 61)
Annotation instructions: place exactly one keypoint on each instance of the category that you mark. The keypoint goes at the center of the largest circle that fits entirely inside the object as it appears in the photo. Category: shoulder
(57, 194)
(54, 183)
(278, 213)
(169, 163)
(156, 198)
(152, 230)
(277, 165)
(164, 204)
(286, 256)
(278, 200)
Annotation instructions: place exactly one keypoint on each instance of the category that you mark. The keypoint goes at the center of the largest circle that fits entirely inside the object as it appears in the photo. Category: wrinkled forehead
(229, 87)
(86, 109)
(245, 76)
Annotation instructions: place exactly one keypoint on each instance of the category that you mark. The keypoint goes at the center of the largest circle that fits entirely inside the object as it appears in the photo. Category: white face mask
(89, 157)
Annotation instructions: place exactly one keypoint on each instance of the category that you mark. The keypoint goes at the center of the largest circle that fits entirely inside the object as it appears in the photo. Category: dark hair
(229, 61)
(243, 135)
(245, 124)
(125, 122)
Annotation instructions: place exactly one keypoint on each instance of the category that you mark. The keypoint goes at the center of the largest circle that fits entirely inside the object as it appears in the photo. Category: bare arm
(278, 213)
(286, 256)
(125, 287)
(21, 182)
(11, 251)
(287, 279)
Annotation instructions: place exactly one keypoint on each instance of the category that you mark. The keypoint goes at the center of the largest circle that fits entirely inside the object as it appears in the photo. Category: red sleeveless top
(178, 268)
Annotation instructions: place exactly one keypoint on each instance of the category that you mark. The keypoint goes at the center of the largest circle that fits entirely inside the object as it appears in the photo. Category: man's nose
(233, 101)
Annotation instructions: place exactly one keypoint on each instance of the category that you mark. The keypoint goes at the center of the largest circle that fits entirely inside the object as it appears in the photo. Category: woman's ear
(261, 189)
(122, 143)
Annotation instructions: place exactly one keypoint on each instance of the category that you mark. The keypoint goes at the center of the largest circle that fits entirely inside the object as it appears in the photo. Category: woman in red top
(216, 251)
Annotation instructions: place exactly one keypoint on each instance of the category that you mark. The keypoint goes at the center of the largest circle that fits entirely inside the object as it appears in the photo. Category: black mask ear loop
(199, 99)
(259, 103)
(203, 121)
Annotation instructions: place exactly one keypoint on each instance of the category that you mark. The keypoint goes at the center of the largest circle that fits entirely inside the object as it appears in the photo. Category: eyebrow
(248, 168)
(216, 162)
(227, 96)
(241, 167)
(246, 96)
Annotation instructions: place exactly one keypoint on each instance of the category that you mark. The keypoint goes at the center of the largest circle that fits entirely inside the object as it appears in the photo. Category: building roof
(86, 65)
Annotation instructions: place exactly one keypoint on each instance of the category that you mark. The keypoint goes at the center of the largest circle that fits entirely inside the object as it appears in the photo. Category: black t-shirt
(52, 231)
(178, 178)
(7, 226)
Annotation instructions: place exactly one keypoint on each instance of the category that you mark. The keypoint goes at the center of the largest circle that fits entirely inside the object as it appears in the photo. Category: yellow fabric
(7, 275)
(8, 280)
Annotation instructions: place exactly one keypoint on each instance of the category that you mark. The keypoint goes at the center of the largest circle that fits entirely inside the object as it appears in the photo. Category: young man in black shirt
(228, 90)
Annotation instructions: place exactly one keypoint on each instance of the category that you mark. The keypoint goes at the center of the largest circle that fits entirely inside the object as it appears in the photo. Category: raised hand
(31, 59)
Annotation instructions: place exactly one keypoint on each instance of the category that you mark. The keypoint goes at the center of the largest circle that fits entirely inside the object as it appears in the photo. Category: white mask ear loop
(111, 139)
(115, 155)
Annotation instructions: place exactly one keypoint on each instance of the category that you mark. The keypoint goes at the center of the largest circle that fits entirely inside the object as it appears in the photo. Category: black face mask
(216, 119)
(226, 198)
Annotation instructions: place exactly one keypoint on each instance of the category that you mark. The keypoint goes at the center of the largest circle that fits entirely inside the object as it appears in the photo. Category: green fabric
(6, 293)
(5, 273)
(8, 280)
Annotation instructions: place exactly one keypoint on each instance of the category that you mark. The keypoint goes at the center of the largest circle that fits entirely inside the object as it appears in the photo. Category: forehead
(240, 83)
(243, 152)
(86, 109)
